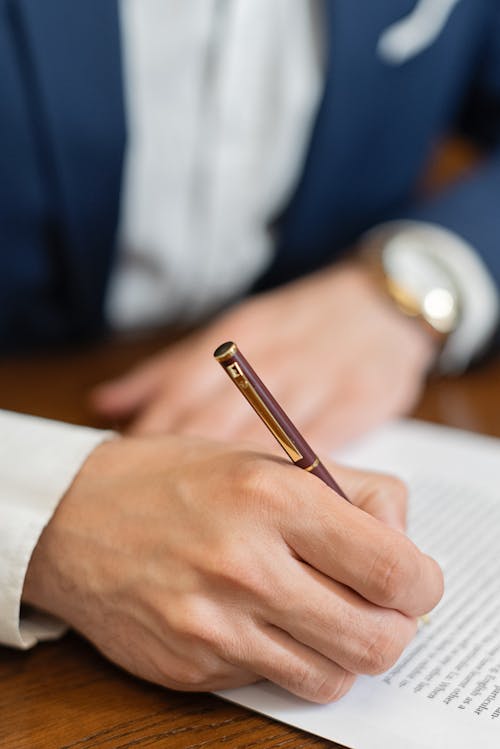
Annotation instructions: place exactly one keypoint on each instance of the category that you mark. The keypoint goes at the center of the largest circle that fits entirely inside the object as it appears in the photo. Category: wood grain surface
(64, 694)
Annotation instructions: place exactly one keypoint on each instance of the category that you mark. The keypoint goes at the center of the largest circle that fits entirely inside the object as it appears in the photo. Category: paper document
(444, 692)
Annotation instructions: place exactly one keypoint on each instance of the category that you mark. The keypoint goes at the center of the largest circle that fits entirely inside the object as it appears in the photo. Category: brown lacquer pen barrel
(271, 413)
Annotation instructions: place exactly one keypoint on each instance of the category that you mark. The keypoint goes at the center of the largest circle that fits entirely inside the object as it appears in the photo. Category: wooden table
(64, 694)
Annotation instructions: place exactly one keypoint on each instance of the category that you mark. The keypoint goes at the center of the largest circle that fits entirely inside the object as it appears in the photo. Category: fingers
(122, 397)
(343, 419)
(229, 420)
(258, 650)
(155, 418)
(221, 414)
(333, 620)
(212, 414)
(352, 547)
(382, 496)
(159, 392)
(354, 409)
(297, 668)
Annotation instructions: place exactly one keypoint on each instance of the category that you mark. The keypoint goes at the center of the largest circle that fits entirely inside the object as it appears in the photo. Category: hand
(201, 566)
(336, 354)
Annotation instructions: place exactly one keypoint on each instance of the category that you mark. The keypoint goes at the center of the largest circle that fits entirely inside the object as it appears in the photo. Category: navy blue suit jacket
(63, 135)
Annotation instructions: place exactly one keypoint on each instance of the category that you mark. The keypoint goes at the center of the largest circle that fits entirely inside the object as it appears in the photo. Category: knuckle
(396, 488)
(191, 677)
(392, 572)
(318, 686)
(332, 687)
(237, 570)
(257, 481)
(270, 596)
(387, 488)
(210, 636)
(193, 623)
(200, 676)
(391, 581)
(381, 651)
(186, 673)
(303, 681)
(250, 477)
(250, 470)
(256, 581)
(382, 490)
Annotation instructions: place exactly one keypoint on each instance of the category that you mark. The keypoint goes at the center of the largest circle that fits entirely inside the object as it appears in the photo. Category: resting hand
(200, 566)
(336, 355)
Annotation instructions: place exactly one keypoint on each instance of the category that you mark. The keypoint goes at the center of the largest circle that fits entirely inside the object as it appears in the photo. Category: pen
(271, 413)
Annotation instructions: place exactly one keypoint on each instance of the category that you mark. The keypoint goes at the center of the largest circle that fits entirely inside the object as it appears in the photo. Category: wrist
(425, 258)
(421, 342)
(414, 280)
(50, 573)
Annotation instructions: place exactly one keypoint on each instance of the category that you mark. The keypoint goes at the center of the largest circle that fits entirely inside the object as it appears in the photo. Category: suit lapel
(72, 50)
(351, 124)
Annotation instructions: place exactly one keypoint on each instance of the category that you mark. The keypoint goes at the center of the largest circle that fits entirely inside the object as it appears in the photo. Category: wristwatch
(417, 281)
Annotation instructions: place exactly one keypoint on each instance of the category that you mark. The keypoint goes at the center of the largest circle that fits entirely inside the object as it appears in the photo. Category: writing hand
(201, 566)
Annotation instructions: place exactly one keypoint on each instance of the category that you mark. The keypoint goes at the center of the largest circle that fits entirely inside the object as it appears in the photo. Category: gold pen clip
(235, 372)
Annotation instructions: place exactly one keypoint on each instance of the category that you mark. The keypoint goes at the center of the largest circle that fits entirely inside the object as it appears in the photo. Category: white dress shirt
(221, 98)
(38, 461)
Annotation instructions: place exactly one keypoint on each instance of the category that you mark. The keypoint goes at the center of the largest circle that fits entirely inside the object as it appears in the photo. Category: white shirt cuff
(479, 296)
(38, 461)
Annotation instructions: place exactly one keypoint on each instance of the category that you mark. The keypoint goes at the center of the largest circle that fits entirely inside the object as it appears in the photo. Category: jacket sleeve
(471, 208)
